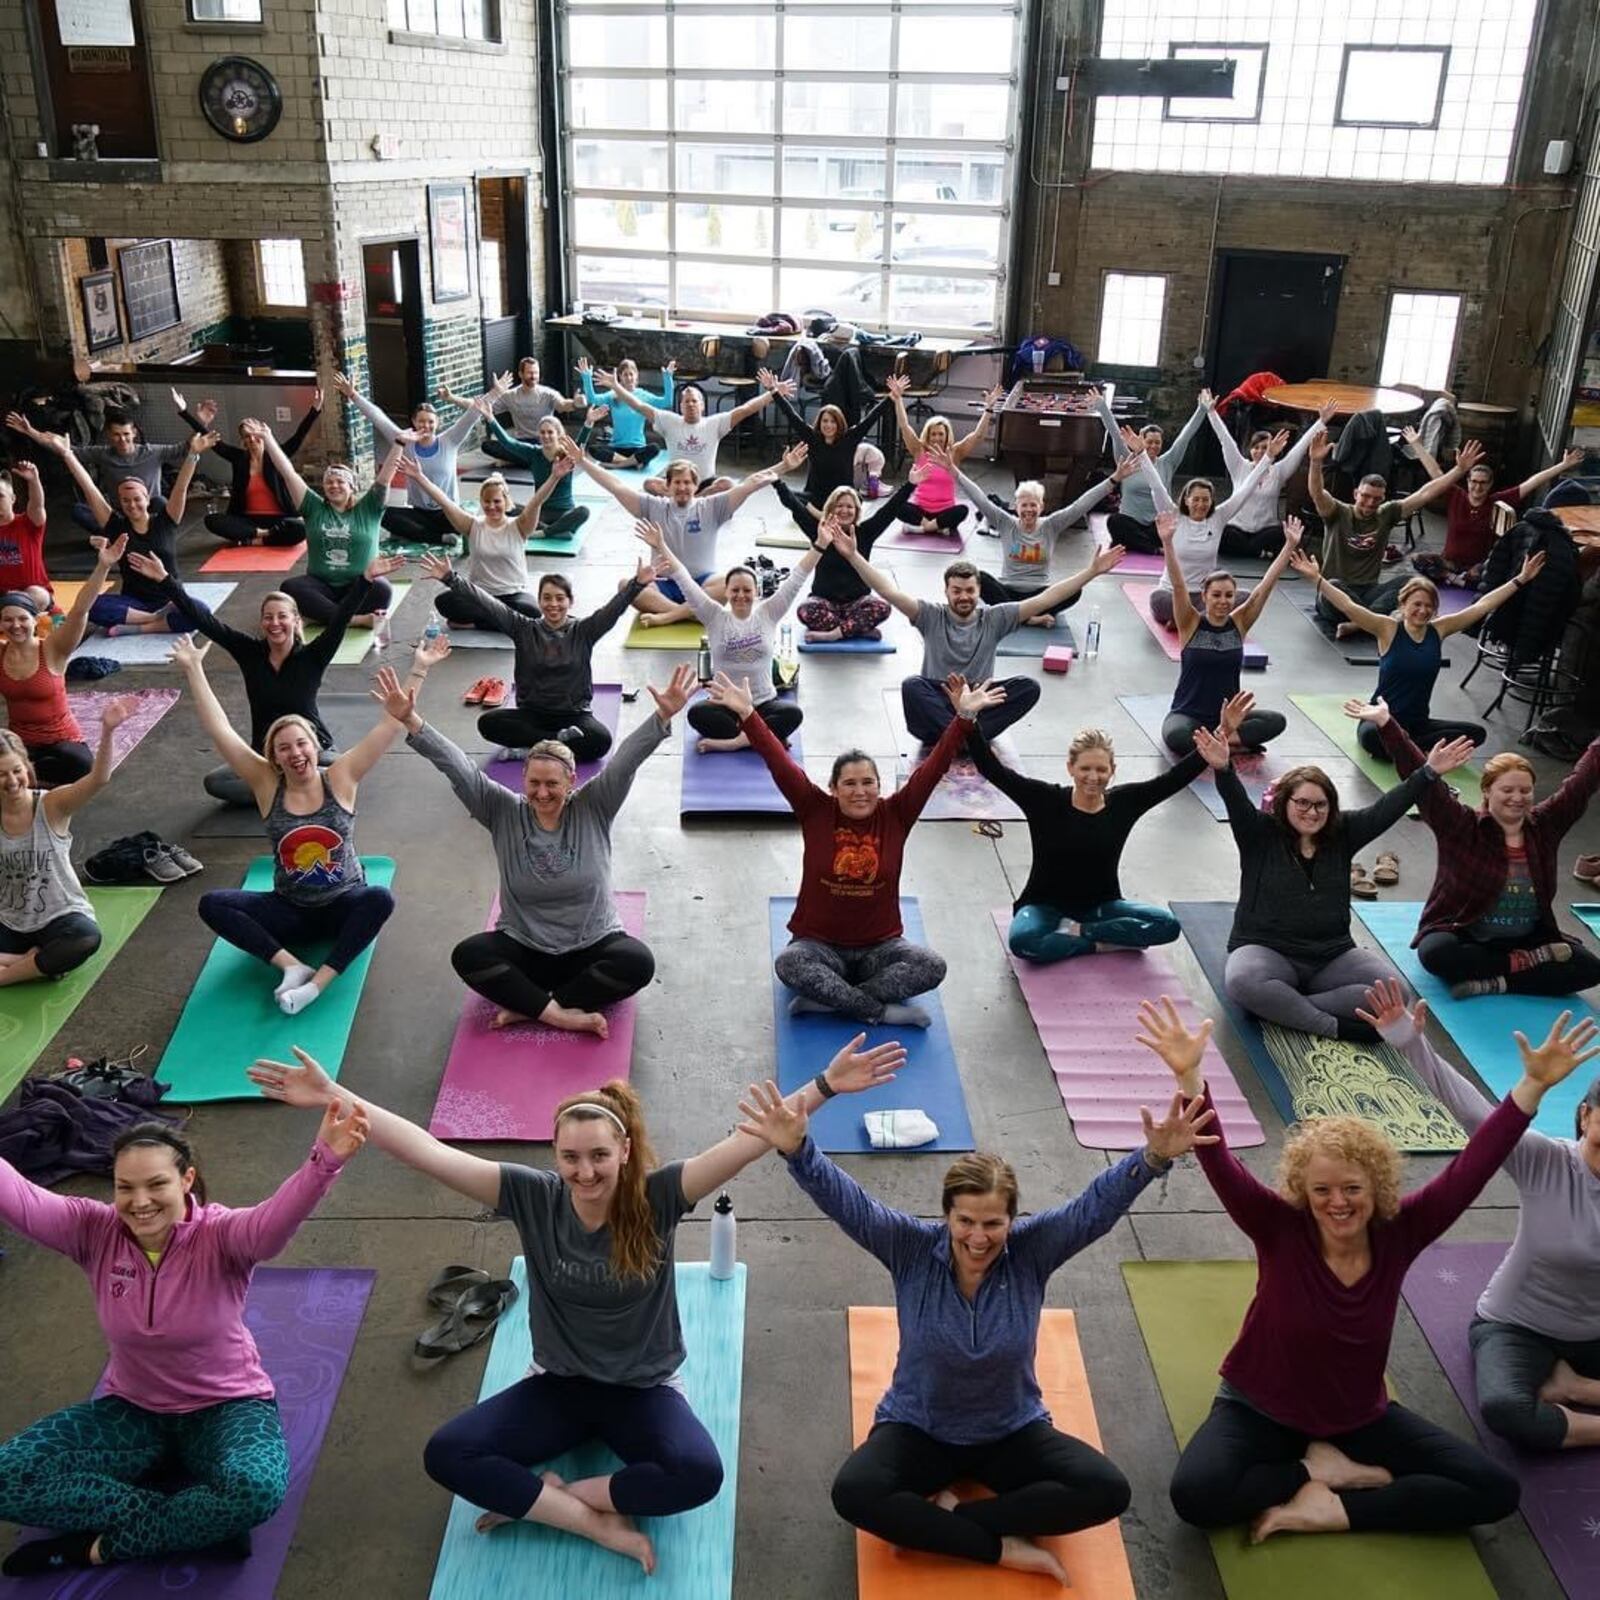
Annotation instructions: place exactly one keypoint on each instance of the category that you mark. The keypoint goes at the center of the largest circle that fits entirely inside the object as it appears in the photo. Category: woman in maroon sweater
(849, 954)
(1302, 1437)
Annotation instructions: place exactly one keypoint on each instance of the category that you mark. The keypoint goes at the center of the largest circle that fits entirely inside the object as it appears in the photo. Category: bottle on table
(724, 1237)
(1091, 637)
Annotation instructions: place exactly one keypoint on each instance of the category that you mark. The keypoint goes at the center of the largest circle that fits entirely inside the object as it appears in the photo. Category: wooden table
(1349, 397)
(1579, 519)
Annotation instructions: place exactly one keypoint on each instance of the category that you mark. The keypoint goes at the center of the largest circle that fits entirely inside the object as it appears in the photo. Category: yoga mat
(505, 1083)
(694, 1551)
(928, 1082)
(849, 647)
(728, 782)
(566, 544)
(1031, 641)
(1453, 598)
(606, 706)
(963, 794)
(148, 649)
(357, 642)
(230, 1017)
(1360, 649)
(1327, 711)
(585, 488)
(1138, 596)
(1136, 563)
(31, 1014)
(1189, 1313)
(150, 706)
(305, 1321)
(1094, 1559)
(1561, 1490)
(674, 636)
(1482, 1027)
(906, 538)
(1312, 1077)
(1086, 1012)
(783, 539)
(254, 558)
(479, 638)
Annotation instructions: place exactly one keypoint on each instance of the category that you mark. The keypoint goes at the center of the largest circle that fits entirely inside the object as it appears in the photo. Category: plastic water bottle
(382, 638)
(702, 660)
(724, 1237)
(434, 628)
(1091, 637)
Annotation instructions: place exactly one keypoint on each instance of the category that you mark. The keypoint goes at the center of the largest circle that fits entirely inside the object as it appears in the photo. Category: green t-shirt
(341, 544)
(1352, 546)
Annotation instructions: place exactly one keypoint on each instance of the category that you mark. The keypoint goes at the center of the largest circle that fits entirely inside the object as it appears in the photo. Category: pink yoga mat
(255, 558)
(1086, 1011)
(152, 705)
(905, 538)
(1138, 595)
(1138, 562)
(505, 1083)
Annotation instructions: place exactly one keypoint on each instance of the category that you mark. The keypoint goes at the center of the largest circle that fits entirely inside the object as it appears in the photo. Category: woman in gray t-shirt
(597, 1238)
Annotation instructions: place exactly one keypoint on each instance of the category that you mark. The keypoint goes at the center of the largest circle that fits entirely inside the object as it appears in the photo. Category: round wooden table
(1350, 398)
(1580, 519)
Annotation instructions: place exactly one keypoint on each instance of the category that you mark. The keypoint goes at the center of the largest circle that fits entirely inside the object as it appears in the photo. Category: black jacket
(238, 460)
(1533, 620)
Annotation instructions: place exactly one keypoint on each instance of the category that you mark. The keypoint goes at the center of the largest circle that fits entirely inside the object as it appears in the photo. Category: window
(450, 19)
(1419, 342)
(725, 165)
(225, 10)
(1401, 86)
(1249, 70)
(280, 272)
(1131, 304)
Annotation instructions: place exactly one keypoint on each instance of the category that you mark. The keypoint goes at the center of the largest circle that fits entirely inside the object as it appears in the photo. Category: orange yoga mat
(1095, 1559)
(254, 557)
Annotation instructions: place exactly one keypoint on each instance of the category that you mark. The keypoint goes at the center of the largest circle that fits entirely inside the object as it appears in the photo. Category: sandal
(1387, 871)
(450, 1283)
(470, 1321)
(1360, 884)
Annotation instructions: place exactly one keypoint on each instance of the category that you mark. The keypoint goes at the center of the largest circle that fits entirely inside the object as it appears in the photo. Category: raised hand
(1532, 566)
(1106, 560)
(382, 566)
(772, 1119)
(731, 696)
(1278, 443)
(115, 713)
(583, 364)
(827, 532)
(343, 386)
(795, 456)
(108, 552)
(1180, 1130)
(1206, 400)
(151, 567)
(971, 699)
(994, 396)
(1294, 530)
(316, 398)
(1385, 1004)
(645, 573)
(671, 366)
(408, 436)
(1327, 411)
(206, 412)
(1319, 447)
(178, 402)
(483, 404)
(1182, 1050)
(25, 472)
(1564, 1050)
(1573, 458)
(1166, 526)
(15, 419)
(1126, 467)
(298, 1083)
(430, 652)
(1469, 455)
(1303, 561)
(189, 654)
(1235, 710)
(254, 428)
(897, 385)
(652, 534)
(944, 458)
(563, 465)
(203, 441)
(1411, 436)
(436, 567)
(1448, 754)
(1368, 711)
(767, 378)
(604, 380)
(854, 1069)
(344, 1128)
(671, 700)
(409, 462)
(1135, 441)
(1216, 751)
(503, 383)
(396, 699)
(595, 415)
(844, 541)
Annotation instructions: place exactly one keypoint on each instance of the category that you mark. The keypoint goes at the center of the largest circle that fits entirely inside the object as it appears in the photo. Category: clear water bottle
(724, 1237)
(382, 637)
(434, 628)
(1091, 638)
(702, 660)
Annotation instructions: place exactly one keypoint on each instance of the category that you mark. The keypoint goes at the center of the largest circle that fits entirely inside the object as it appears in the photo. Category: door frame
(519, 263)
(411, 306)
(1220, 260)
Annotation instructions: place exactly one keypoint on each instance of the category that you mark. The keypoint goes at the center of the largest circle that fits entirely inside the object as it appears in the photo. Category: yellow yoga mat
(674, 636)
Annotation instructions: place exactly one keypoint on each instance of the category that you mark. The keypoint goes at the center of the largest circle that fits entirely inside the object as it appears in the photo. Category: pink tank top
(37, 705)
(937, 491)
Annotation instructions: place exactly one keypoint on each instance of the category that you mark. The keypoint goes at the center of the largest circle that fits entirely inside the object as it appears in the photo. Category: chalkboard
(149, 288)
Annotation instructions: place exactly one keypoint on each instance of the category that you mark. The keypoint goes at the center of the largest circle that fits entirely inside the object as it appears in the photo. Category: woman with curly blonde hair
(1302, 1437)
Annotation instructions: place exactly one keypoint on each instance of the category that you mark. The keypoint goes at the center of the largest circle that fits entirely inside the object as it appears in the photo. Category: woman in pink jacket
(184, 1388)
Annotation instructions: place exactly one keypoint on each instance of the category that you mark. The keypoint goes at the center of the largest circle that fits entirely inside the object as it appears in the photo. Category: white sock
(293, 1001)
(292, 978)
(1068, 926)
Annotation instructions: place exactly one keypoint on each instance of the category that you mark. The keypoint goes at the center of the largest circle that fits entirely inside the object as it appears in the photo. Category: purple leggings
(488, 1455)
(263, 924)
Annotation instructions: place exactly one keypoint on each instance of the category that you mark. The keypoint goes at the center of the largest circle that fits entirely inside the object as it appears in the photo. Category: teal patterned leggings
(82, 1470)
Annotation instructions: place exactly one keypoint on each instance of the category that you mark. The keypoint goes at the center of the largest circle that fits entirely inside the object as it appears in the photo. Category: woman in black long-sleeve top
(830, 444)
(260, 507)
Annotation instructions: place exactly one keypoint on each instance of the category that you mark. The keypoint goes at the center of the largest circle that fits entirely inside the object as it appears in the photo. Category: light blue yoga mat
(694, 1552)
(1031, 641)
(585, 488)
(849, 647)
(928, 1082)
(1482, 1027)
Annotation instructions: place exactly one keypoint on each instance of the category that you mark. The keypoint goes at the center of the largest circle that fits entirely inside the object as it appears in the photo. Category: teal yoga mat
(1482, 1027)
(694, 1552)
(231, 1018)
(585, 488)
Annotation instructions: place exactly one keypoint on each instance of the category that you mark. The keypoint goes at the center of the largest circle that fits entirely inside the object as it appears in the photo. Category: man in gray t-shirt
(960, 636)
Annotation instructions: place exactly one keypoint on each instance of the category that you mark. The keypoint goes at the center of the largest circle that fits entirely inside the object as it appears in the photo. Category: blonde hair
(1416, 585)
(1351, 1139)
(1498, 766)
(278, 597)
(278, 723)
(1091, 739)
(551, 750)
(930, 425)
(979, 1173)
(494, 481)
(843, 492)
(11, 745)
(636, 1249)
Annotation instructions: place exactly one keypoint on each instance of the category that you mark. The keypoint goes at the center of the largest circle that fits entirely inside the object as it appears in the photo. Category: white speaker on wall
(1557, 157)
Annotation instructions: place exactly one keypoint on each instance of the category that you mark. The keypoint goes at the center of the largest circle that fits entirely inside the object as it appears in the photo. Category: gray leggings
(859, 982)
(1306, 995)
(1511, 1363)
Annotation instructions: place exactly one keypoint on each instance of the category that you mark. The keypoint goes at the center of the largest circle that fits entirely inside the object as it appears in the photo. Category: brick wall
(200, 268)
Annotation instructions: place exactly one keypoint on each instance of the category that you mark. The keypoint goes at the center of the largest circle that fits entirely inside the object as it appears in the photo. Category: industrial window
(1250, 61)
(726, 160)
(1419, 340)
(451, 19)
(1131, 305)
(280, 272)
(1428, 93)
(225, 10)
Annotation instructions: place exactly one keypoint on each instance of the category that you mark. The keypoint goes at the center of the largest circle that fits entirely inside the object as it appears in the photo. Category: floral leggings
(83, 1470)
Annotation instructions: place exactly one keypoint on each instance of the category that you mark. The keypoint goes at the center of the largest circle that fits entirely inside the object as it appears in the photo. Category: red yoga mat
(505, 1083)
(1086, 1011)
(254, 558)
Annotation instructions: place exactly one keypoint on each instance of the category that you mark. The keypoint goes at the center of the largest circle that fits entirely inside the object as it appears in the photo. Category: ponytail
(636, 1249)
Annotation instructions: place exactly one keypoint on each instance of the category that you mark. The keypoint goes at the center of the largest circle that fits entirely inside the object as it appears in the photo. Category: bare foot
(651, 619)
(491, 1520)
(819, 636)
(737, 742)
(1023, 1555)
(1315, 1508)
(1567, 1387)
(508, 1019)
(947, 1499)
(553, 1479)
(571, 1021)
(1346, 630)
(616, 1532)
(1327, 1464)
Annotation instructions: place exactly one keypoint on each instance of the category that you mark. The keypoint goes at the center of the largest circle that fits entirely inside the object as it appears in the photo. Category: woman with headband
(184, 1387)
(597, 1235)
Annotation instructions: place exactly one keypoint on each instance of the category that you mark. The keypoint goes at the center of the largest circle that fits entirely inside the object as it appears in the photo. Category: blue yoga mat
(694, 1552)
(1482, 1027)
(928, 1082)
(727, 782)
(850, 647)
(585, 488)
(1030, 641)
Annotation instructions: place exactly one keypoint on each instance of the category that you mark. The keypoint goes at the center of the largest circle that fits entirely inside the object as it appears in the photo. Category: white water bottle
(1091, 638)
(724, 1237)
(381, 635)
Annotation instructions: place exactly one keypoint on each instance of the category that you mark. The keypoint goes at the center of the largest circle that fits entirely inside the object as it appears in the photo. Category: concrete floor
(373, 1520)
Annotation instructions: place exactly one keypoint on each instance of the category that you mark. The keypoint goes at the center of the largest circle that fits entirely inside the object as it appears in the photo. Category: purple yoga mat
(607, 706)
(1453, 598)
(151, 705)
(505, 1083)
(727, 781)
(1137, 563)
(963, 794)
(1138, 595)
(304, 1319)
(906, 538)
(1560, 1491)
(1086, 1011)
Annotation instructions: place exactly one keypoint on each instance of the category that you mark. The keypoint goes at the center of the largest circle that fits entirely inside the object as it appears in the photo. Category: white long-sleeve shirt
(1260, 507)
(437, 460)
(1196, 542)
(1136, 498)
(743, 647)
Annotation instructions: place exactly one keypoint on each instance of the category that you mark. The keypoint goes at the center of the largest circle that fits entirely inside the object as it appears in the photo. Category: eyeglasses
(1315, 807)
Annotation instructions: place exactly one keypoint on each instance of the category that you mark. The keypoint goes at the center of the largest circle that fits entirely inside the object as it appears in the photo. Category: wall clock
(240, 99)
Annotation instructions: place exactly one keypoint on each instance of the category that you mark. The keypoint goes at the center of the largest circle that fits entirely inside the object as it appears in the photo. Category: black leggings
(581, 731)
(995, 593)
(262, 924)
(60, 945)
(1044, 1483)
(717, 722)
(1139, 536)
(1241, 1463)
(417, 525)
(243, 527)
(1456, 958)
(949, 519)
(63, 762)
(319, 600)
(455, 607)
(1261, 544)
(1424, 734)
(512, 975)
(1178, 730)
(565, 522)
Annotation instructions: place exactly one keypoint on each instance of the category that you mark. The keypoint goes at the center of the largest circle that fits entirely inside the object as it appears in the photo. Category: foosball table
(1050, 430)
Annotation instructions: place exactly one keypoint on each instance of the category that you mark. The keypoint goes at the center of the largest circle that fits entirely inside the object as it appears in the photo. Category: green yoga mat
(231, 1018)
(674, 636)
(569, 544)
(1189, 1313)
(31, 1014)
(1327, 711)
(357, 642)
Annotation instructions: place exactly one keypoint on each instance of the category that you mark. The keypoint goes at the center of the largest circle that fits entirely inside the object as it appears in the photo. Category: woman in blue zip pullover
(965, 1402)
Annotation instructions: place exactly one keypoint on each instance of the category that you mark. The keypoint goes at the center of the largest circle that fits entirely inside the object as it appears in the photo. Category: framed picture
(101, 322)
(450, 241)
(149, 288)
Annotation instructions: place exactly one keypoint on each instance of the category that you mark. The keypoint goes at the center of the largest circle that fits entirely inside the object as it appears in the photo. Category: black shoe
(58, 1554)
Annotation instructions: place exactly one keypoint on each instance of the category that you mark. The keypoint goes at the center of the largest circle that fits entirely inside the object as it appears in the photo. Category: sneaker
(1587, 869)
(158, 864)
(1393, 553)
(494, 694)
(190, 864)
(474, 695)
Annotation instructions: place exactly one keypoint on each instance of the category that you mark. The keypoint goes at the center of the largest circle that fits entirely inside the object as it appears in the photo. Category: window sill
(112, 170)
(441, 41)
(214, 26)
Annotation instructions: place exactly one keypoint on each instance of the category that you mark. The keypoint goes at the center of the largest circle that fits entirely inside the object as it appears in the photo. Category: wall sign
(449, 241)
(149, 288)
(101, 324)
(95, 21)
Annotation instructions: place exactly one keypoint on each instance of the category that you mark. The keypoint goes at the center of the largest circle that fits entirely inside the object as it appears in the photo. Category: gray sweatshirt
(1025, 557)
(1136, 499)
(1549, 1280)
(437, 460)
(555, 886)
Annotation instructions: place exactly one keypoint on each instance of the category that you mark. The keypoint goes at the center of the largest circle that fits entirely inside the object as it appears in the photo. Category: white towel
(899, 1130)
